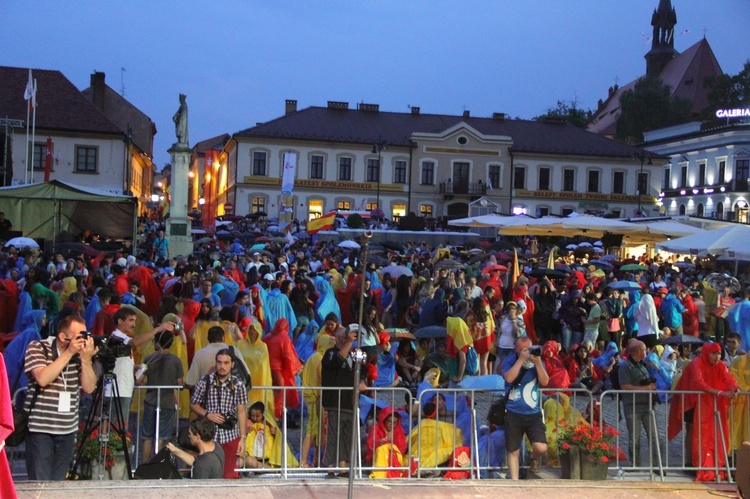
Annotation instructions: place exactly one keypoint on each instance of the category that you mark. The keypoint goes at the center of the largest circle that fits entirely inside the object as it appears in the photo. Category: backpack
(239, 370)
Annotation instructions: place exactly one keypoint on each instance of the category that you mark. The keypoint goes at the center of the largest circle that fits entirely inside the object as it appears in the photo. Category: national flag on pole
(323, 223)
(489, 183)
(48, 160)
(29, 93)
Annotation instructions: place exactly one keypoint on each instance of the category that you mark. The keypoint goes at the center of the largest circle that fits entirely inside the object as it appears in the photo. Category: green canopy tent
(57, 211)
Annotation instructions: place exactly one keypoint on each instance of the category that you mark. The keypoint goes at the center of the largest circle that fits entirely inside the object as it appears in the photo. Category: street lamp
(377, 148)
(643, 156)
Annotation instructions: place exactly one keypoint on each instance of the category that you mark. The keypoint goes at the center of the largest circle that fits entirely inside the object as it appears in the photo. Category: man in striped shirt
(56, 367)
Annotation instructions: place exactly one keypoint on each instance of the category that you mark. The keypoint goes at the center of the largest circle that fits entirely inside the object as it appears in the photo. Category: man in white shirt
(204, 360)
(121, 342)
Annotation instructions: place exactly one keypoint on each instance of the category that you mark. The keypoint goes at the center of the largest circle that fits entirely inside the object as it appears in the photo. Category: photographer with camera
(633, 375)
(524, 373)
(120, 346)
(55, 367)
(222, 399)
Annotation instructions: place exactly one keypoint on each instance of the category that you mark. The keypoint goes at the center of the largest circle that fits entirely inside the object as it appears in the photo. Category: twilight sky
(238, 61)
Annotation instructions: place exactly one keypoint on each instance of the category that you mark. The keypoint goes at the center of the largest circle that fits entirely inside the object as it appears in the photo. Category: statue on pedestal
(180, 119)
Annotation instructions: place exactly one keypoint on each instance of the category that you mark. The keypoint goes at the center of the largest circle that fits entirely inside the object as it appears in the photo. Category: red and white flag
(29, 93)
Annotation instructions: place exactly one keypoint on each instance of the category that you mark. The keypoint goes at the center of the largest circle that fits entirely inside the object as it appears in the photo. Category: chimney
(97, 89)
(291, 106)
(498, 116)
(332, 104)
(415, 111)
(368, 107)
(467, 114)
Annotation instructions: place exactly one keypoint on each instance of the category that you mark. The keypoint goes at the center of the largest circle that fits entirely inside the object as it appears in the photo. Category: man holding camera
(524, 372)
(222, 399)
(121, 343)
(634, 376)
(55, 367)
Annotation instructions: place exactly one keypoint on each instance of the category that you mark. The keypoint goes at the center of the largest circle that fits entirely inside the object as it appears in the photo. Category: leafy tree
(648, 106)
(354, 221)
(727, 92)
(569, 112)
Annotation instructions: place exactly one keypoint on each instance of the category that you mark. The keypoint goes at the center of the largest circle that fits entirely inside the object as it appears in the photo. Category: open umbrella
(632, 267)
(22, 242)
(224, 234)
(493, 268)
(449, 264)
(431, 332)
(624, 285)
(501, 245)
(571, 246)
(608, 257)
(398, 333)
(550, 273)
(601, 264)
(396, 271)
(203, 240)
(349, 244)
(585, 244)
(719, 281)
(681, 339)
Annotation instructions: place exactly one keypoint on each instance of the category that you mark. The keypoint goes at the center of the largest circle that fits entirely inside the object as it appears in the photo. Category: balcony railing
(477, 188)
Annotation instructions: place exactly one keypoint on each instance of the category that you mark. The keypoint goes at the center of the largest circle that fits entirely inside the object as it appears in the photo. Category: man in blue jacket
(671, 311)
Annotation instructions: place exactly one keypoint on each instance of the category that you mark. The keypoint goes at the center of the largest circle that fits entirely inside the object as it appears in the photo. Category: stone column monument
(178, 224)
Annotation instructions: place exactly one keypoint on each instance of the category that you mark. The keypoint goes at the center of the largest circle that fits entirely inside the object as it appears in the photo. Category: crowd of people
(284, 313)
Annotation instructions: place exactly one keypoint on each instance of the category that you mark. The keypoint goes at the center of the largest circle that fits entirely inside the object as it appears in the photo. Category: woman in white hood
(669, 361)
(648, 321)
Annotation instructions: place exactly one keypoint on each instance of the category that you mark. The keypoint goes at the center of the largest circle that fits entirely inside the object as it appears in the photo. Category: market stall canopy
(671, 228)
(732, 241)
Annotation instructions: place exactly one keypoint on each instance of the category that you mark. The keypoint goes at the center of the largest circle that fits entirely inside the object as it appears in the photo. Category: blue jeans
(48, 456)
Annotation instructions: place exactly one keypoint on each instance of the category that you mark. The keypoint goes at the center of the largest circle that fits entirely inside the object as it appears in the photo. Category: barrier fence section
(162, 391)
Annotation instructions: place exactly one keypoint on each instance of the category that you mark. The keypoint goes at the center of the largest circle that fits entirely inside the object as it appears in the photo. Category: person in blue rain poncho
(326, 302)
(34, 321)
(276, 306)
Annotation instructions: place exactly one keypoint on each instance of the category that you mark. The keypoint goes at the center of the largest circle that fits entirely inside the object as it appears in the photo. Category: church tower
(662, 50)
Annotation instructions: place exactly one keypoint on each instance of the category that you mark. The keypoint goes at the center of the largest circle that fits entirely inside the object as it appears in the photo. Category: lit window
(399, 210)
(425, 210)
(315, 209)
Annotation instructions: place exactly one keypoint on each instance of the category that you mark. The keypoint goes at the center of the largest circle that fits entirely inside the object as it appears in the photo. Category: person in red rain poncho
(190, 311)
(387, 445)
(149, 288)
(284, 365)
(521, 293)
(554, 365)
(707, 374)
(690, 323)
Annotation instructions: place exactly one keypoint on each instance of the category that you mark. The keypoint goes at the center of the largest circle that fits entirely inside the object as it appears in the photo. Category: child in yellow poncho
(264, 442)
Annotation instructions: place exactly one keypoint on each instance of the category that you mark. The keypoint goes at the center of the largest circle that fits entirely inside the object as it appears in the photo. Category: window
(425, 210)
(399, 210)
(428, 173)
(566, 211)
(618, 183)
(542, 212)
(683, 175)
(399, 174)
(345, 168)
(493, 177)
(259, 163)
(519, 177)
(720, 210)
(373, 170)
(569, 180)
(702, 174)
(316, 167)
(257, 204)
(544, 179)
(642, 183)
(371, 206)
(616, 213)
(667, 178)
(593, 185)
(40, 156)
(682, 209)
(86, 159)
(315, 209)
(722, 172)
(344, 205)
(699, 210)
(741, 174)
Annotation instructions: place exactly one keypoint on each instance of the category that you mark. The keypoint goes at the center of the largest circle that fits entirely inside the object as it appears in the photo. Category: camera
(110, 349)
(230, 420)
(535, 350)
(359, 356)
(178, 327)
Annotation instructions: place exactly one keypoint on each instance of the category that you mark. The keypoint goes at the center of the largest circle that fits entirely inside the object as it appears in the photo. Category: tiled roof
(366, 127)
(60, 105)
(217, 142)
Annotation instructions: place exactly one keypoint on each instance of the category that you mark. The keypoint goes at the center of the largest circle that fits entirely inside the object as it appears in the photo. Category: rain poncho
(255, 354)
(386, 451)
(51, 300)
(148, 286)
(305, 341)
(284, 365)
(645, 316)
(741, 429)
(739, 321)
(655, 370)
(326, 302)
(631, 325)
(276, 307)
(554, 365)
(15, 352)
(24, 305)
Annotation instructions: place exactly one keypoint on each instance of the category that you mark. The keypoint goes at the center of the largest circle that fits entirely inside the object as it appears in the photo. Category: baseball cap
(269, 277)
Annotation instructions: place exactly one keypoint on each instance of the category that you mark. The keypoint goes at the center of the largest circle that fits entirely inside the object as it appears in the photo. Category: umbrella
(478, 257)
(197, 231)
(349, 244)
(379, 261)
(262, 239)
(584, 245)
(398, 333)
(301, 235)
(22, 242)
(601, 264)
(78, 248)
(431, 332)
(257, 214)
(203, 240)
(449, 264)
(396, 271)
(681, 339)
(597, 249)
(571, 246)
(719, 281)
(597, 243)
(224, 234)
(485, 244)
(493, 268)
(624, 285)
(551, 273)
(683, 266)
(392, 246)
(632, 267)
(608, 257)
(501, 245)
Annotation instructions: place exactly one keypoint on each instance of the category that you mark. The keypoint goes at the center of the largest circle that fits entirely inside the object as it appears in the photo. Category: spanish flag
(322, 223)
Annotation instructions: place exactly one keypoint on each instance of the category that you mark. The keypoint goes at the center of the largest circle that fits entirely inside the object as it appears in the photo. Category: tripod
(93, 422)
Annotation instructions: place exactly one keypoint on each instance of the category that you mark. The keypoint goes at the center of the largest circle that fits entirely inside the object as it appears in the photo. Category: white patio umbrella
(732, 241)
(22, 242)
(349, 244)
(671, 228)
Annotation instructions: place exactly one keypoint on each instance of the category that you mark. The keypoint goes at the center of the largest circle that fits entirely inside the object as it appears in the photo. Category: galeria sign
(733, 113)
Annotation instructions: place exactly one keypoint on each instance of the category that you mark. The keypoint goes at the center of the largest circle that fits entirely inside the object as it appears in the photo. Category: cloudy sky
(238, 61)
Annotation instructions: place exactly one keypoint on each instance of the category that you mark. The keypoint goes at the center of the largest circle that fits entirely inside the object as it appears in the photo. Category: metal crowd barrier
(139, 395)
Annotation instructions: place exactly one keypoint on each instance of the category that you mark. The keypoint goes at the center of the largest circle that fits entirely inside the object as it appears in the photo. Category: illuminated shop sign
(733, 113)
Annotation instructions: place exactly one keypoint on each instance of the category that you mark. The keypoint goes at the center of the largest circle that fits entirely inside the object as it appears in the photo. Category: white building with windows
(707, 172)
(432, 165)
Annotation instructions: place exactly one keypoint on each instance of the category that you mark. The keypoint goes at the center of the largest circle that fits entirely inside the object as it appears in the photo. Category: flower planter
(118, 471)
(578, 466)
(593, 469)
(570, 463)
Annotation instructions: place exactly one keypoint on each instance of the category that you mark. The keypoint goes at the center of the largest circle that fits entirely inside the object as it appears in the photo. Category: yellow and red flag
(322, 223)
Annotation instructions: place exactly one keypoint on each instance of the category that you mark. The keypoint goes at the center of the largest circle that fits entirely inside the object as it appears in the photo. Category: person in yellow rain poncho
(337, 282)
(179, 349)
(255, 353)
(557, 410)
(264, 442)
(311, 376)
(433, 441)
(464, 359)
(200, 333)
(741, 405)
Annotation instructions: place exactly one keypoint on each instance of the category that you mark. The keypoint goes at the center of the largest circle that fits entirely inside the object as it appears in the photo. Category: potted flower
(114, 454)
(586, 450)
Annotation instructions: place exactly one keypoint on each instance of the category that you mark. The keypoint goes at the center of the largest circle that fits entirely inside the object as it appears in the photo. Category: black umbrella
(550, 273)
(431, 332)
(682, 339)
(392, 246)
(257, 214)
(501, 245)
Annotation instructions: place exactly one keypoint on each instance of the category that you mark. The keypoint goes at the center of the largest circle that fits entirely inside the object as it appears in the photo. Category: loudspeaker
(743, 470)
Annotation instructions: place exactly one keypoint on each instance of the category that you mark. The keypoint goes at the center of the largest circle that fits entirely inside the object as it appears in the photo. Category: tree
(727, 92)
(568, 112)
(648, 106)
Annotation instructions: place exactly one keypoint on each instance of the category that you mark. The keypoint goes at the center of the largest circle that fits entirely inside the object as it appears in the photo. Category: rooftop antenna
(122, 81)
